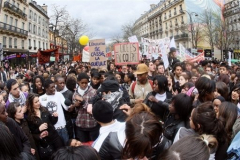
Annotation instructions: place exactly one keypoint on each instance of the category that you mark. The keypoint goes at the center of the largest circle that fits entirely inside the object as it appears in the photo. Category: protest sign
(184, 53)
(133, 39)
(85, 55)
(152, 49)
(126, 53)
(97, 51)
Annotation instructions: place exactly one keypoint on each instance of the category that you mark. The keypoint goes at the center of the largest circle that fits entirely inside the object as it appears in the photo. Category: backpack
(135, 82)
(233, 152)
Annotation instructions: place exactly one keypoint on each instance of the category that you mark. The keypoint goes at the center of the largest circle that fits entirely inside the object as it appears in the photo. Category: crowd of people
(70, 111)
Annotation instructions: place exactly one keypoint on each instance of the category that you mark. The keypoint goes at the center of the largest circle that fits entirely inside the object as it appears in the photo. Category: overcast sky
(105, 17)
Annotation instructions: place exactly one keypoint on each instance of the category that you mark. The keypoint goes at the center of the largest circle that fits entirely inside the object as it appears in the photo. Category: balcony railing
(15, 10)
(13, 29)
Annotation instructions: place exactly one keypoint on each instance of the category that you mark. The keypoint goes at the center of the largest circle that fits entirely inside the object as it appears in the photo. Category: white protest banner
(152, 49)
(133, 39)
(229, 58)
(172, 43)
(85, 54)
(184, 53)
(163, 48)
(97, 51)
(126, 53)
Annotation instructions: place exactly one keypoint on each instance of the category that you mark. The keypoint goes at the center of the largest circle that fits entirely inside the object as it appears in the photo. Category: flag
(172, 43)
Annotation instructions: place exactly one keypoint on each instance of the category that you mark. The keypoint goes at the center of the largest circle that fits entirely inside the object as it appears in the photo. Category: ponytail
(211, 142)
(219, 130)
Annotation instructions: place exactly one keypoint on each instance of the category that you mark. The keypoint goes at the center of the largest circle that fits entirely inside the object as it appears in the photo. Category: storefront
(15, 57)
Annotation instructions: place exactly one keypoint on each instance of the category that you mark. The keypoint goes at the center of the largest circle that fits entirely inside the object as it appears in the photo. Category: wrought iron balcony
(14, 10)
(9, 29)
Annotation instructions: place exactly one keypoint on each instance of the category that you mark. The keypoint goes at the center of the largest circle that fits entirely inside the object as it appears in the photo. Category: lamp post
(191, 23)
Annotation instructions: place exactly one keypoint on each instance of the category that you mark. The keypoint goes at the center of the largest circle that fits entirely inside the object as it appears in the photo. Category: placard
(126, 53)
(97, 50)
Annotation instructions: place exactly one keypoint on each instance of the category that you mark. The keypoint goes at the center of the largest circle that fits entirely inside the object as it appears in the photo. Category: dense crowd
(70, 111)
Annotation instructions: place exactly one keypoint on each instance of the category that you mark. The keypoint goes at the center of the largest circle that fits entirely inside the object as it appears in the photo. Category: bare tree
(128, 31)
(209, 29)
(58, 19)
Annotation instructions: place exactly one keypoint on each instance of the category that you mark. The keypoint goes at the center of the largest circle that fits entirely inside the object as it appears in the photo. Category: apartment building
(13, 29)
(232, 21)
(171, 18)
(38, 28)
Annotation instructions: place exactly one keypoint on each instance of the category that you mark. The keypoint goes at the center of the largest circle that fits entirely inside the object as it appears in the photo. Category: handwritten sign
(152, 48)
(126, 53)
(97, 51)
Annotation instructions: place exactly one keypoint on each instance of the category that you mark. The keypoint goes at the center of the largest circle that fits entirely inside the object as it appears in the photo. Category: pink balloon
(86, 48)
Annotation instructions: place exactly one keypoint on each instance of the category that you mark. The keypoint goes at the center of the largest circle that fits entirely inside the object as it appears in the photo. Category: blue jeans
(64, 134)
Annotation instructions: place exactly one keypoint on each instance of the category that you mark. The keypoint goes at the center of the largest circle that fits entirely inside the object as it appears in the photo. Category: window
(23, 25)
(39, 44)
(34, 29)
(39, 31)
(6, 18)
(35, 17)
(29, 43)
(34, 43)
(18, 5)
(180, 7)
(43, 33)
(39, 20)
(46, 45)
(24, 10)
(10, 42)
(43, 45)
(11, 21)
(22, 44)
(175, 11)
(43, 21)
(15, 42)
(13, 3)
(30, 27)
(30, 14)
(4, 42)
(16, 22)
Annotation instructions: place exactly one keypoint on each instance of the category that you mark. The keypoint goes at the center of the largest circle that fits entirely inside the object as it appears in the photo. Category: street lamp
(191, 23)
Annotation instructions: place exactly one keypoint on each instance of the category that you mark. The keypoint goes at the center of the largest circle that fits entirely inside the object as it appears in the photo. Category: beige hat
(141, 68)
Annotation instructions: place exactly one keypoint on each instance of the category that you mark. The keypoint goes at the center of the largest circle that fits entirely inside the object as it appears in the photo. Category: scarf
(64, 90)
(21, 99)
(113, 98)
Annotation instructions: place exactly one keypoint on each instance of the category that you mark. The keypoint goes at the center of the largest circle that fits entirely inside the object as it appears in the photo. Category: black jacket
(160, 109)
(171, 127)
(111, 148)
(24, 126)
(19, 136)
(46, 117)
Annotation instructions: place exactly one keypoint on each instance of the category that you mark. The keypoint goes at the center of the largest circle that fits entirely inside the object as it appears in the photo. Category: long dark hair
(162, 82)
(228, 113)
(206, 122)
(12, 109)
(142, 133)
(8, 147)
(30, 109)
(76, 153)
(204, 86)
(34, 88)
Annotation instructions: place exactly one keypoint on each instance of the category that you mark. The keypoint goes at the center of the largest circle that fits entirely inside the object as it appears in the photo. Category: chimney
(152, 6)
(45, 7)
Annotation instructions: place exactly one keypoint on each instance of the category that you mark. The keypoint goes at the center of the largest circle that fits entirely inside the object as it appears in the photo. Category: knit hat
(173, 49)
(220, 98)
(9, 84)
(141, 68)
(82, 76)
(109, 85)
(102, 111)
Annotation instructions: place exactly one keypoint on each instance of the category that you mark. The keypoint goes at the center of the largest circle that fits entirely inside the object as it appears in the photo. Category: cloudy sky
(105, 17)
